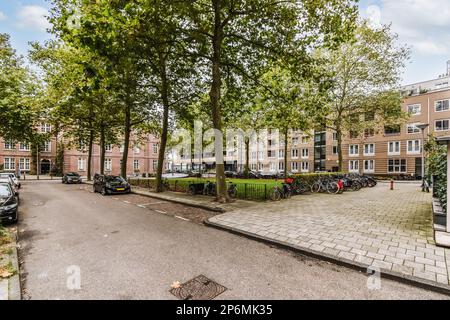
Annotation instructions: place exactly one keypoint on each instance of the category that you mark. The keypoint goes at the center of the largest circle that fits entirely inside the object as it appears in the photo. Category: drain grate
(199, 288)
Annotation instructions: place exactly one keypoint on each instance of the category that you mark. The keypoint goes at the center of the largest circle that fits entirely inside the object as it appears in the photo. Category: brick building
(142, 157)
(391, 151)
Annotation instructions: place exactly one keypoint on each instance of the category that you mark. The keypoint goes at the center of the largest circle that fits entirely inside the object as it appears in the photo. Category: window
(24, 164)
(369, 166)
(9, 164)
(253, 166)
(136, 165)
(281, 166)
(294, 153)
(369, 149)
(369, 116)
(24, 146)
(394, 148)
(121, 148)
(295, 141)
(353, 166)
(335, 150)
(369, 133)
(260, 166)
(413, 146)
(254, 154)
(305, 139)
(81, 164)
(260, 155)
(305, 167)
(396, 165)
(155, 165)
(108, 147)
(136, 150)
(271, 154)
(354, 134)
(390, 130)
(47, 147)
(46, 128)
(155, 148)
(9, 145)
(441, 125)
(412, 128)
(108, 163)
(305, 153)
(353, 150)
(81, 145)
(273, 166)
(280, 154)
(294, 166)
(271, 143)
(442, 105)
(414, 109)
(334, 136)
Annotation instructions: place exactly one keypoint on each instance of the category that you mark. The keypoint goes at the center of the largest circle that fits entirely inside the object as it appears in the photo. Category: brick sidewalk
(391, 230)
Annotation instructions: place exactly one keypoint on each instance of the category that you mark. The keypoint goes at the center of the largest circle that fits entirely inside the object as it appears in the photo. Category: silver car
(12, 176)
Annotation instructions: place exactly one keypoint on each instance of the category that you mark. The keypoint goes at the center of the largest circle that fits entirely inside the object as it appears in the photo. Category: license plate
(120, 189)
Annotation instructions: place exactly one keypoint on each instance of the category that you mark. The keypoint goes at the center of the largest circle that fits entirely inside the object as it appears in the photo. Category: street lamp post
(422, 127)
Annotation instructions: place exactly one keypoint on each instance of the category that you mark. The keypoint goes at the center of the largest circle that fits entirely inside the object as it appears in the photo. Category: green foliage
(437, 168)
(17, 90)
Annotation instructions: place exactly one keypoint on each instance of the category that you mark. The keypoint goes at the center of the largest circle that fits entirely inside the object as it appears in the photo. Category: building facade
(142, 157)
(393, 150)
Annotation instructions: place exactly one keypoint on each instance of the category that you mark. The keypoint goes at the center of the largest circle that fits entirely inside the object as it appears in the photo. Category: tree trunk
(89, 162)
(126, 144)
(214, 94)
(285, 152)
(339, 147)
(38, 169)
(102, 150)
(165, 127)
(247, 157)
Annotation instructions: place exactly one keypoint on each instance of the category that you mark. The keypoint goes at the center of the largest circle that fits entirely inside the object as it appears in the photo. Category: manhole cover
(199, 288)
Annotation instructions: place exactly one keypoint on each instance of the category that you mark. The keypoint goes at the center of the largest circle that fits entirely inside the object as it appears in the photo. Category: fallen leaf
(176, 285)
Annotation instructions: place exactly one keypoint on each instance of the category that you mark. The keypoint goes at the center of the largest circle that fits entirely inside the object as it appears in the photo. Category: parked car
(10, 181)
(9, 203)
(71, 177)
(106, 184)
(12, 176)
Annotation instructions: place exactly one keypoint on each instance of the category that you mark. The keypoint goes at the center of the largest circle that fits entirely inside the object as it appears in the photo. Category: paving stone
(402, 269)
(317, 247)
(347, 255)
(376, 255)
(442, 279)
(425, 275)
(434, 269)
(382, 264)
(394, 260)
(425, 261)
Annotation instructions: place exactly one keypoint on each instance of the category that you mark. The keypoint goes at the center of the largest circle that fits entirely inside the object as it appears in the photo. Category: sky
(422, 25)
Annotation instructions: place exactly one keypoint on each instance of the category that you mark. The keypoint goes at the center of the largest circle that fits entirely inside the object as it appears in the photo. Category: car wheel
(93, 189)
(104, 192)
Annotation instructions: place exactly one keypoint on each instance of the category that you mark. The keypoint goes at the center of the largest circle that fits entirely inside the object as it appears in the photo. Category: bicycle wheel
(333, 188)
(315, 187)
(232, 192)
(275, 195)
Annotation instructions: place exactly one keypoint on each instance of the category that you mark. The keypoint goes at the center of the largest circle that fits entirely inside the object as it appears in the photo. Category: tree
(17, 89)
(366, 72)
(237, 39)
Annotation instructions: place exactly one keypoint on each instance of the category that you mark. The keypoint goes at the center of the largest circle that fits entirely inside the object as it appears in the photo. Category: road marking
(182, 218)
(141, 206)
(160, 211)
(127, 201)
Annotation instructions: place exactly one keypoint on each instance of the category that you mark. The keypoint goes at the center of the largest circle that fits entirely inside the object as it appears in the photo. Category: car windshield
(6, 175)
(72, 174)
(114, 179)
(5, 191)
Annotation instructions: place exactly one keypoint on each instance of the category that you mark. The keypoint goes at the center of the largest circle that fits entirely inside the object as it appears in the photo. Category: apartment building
(142, 157)
(391, 151)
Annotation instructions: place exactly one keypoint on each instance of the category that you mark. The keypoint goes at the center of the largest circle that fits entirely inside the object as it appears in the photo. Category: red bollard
(392, 184)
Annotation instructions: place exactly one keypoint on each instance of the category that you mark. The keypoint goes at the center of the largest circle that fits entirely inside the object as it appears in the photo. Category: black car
(71, 177)
(9, 204)
(106, 184)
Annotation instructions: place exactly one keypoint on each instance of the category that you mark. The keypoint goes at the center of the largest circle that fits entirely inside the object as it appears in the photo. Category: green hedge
(437, 169)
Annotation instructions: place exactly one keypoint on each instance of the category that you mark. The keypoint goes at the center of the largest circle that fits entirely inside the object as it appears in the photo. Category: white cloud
(33, 17)
(2, 16)
(422, 24)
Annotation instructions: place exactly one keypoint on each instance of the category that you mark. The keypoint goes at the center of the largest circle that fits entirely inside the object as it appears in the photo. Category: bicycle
(232, 190)
(278, 193)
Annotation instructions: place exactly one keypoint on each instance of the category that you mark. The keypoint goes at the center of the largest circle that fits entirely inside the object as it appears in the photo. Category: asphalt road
(125, 251)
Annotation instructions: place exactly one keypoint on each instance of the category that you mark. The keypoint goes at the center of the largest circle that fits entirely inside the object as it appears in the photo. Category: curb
(170, 199)
(388, 274)
(15, 292)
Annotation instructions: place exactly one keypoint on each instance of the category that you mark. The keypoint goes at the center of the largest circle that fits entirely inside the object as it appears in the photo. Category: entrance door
(45, 166)
(418, 171)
